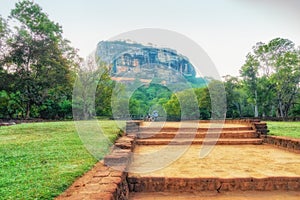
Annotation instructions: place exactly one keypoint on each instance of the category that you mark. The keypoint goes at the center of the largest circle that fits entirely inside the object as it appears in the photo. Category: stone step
(214, 195)
(168, 184)
(223, 134)
(190, 129)
(180, 141)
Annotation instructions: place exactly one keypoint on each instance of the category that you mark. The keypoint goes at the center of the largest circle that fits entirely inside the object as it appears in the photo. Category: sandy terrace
(257, 161)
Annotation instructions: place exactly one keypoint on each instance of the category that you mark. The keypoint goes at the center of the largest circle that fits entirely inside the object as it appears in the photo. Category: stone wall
(260, 127)
(118, 160)
(162, 184)
(133, 126)
(286, 143)
(102, 182)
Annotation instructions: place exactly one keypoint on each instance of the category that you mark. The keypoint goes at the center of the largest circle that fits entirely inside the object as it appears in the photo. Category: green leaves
(145, 97)
(38, 62)
(271, 76)
(34, 19)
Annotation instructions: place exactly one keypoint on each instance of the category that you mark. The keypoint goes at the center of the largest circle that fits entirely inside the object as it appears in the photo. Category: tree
(233, 97)
(286, 81)
(172, 108)
(85, 88)
(271, 76)
(204, 102)
(3, 37)
(295, 110)
(189, 104)
(38, 58)
(249, 72)
(4, 76)
(217, 99)
(104, 94)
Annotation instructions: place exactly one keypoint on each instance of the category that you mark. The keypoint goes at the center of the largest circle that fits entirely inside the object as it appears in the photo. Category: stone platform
(226, 168)
(256, 167)
(238, 163)
(224, 161)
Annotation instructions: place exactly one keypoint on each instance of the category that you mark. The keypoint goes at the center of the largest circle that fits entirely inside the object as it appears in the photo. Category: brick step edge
(171, 129)
(197, 131)
(208, 142)
(199, 135)
(286, 143)
(162, 184)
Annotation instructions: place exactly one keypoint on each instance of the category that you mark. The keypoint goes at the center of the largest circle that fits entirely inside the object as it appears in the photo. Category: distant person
(148, 117)
(155, 115)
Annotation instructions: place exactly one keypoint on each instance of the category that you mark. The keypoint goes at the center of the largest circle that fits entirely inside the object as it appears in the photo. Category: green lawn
(40, 160)
(290, 129)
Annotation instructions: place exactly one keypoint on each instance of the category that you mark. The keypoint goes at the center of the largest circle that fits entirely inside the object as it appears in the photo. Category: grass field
(40, 160)
(290, 129)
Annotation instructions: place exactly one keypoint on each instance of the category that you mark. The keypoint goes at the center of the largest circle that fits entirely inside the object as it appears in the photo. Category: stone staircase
(238, 135)
(233, 166)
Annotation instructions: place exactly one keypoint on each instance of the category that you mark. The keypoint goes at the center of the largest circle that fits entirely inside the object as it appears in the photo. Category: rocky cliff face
(130, 61)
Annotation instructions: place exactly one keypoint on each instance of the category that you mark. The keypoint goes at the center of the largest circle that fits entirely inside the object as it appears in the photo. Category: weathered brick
(280, 185)
(101, 196)
(101, 173)
(109, 187)
(107, 180)
(269, 186)
(246, 185)
(90, 188)
(116, 159)
(95, 180)
(293, 185)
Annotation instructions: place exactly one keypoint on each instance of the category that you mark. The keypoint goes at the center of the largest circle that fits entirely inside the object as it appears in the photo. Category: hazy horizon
(225, 29)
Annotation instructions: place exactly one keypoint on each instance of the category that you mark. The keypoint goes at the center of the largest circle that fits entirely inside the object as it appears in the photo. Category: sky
(225, 29)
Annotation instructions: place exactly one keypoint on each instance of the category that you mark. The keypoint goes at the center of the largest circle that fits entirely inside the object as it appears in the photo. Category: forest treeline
(38, 69)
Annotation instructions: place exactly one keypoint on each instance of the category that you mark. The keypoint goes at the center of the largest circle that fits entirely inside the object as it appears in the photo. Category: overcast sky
(225, 29)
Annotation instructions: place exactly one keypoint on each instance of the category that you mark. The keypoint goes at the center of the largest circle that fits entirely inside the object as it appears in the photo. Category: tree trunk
(280, 108)
(255, 106)
(28, 107)
(272, 111)
(240, 110)
(238, 107)
(289, 103)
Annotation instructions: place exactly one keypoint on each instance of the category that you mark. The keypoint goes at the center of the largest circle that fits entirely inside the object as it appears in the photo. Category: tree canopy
(271, 76)
(36, 65)
(38, 69)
